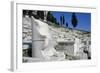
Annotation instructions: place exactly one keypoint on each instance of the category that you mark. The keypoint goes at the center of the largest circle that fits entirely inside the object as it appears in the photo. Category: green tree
(66, 24)
(74, 20)
(58, 23)
(30, 13)
(40, 14)
(63, 19)
(49, 16)
(25, 12)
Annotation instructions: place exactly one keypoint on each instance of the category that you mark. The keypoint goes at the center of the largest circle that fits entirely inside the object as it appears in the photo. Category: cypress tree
(61, 20)
(74, 20)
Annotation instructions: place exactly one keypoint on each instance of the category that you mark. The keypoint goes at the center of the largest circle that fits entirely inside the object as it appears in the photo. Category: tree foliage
(25, 12)
(51, 18)
(40, 14)
(66, 24)
(63, 21)
(74, 20)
